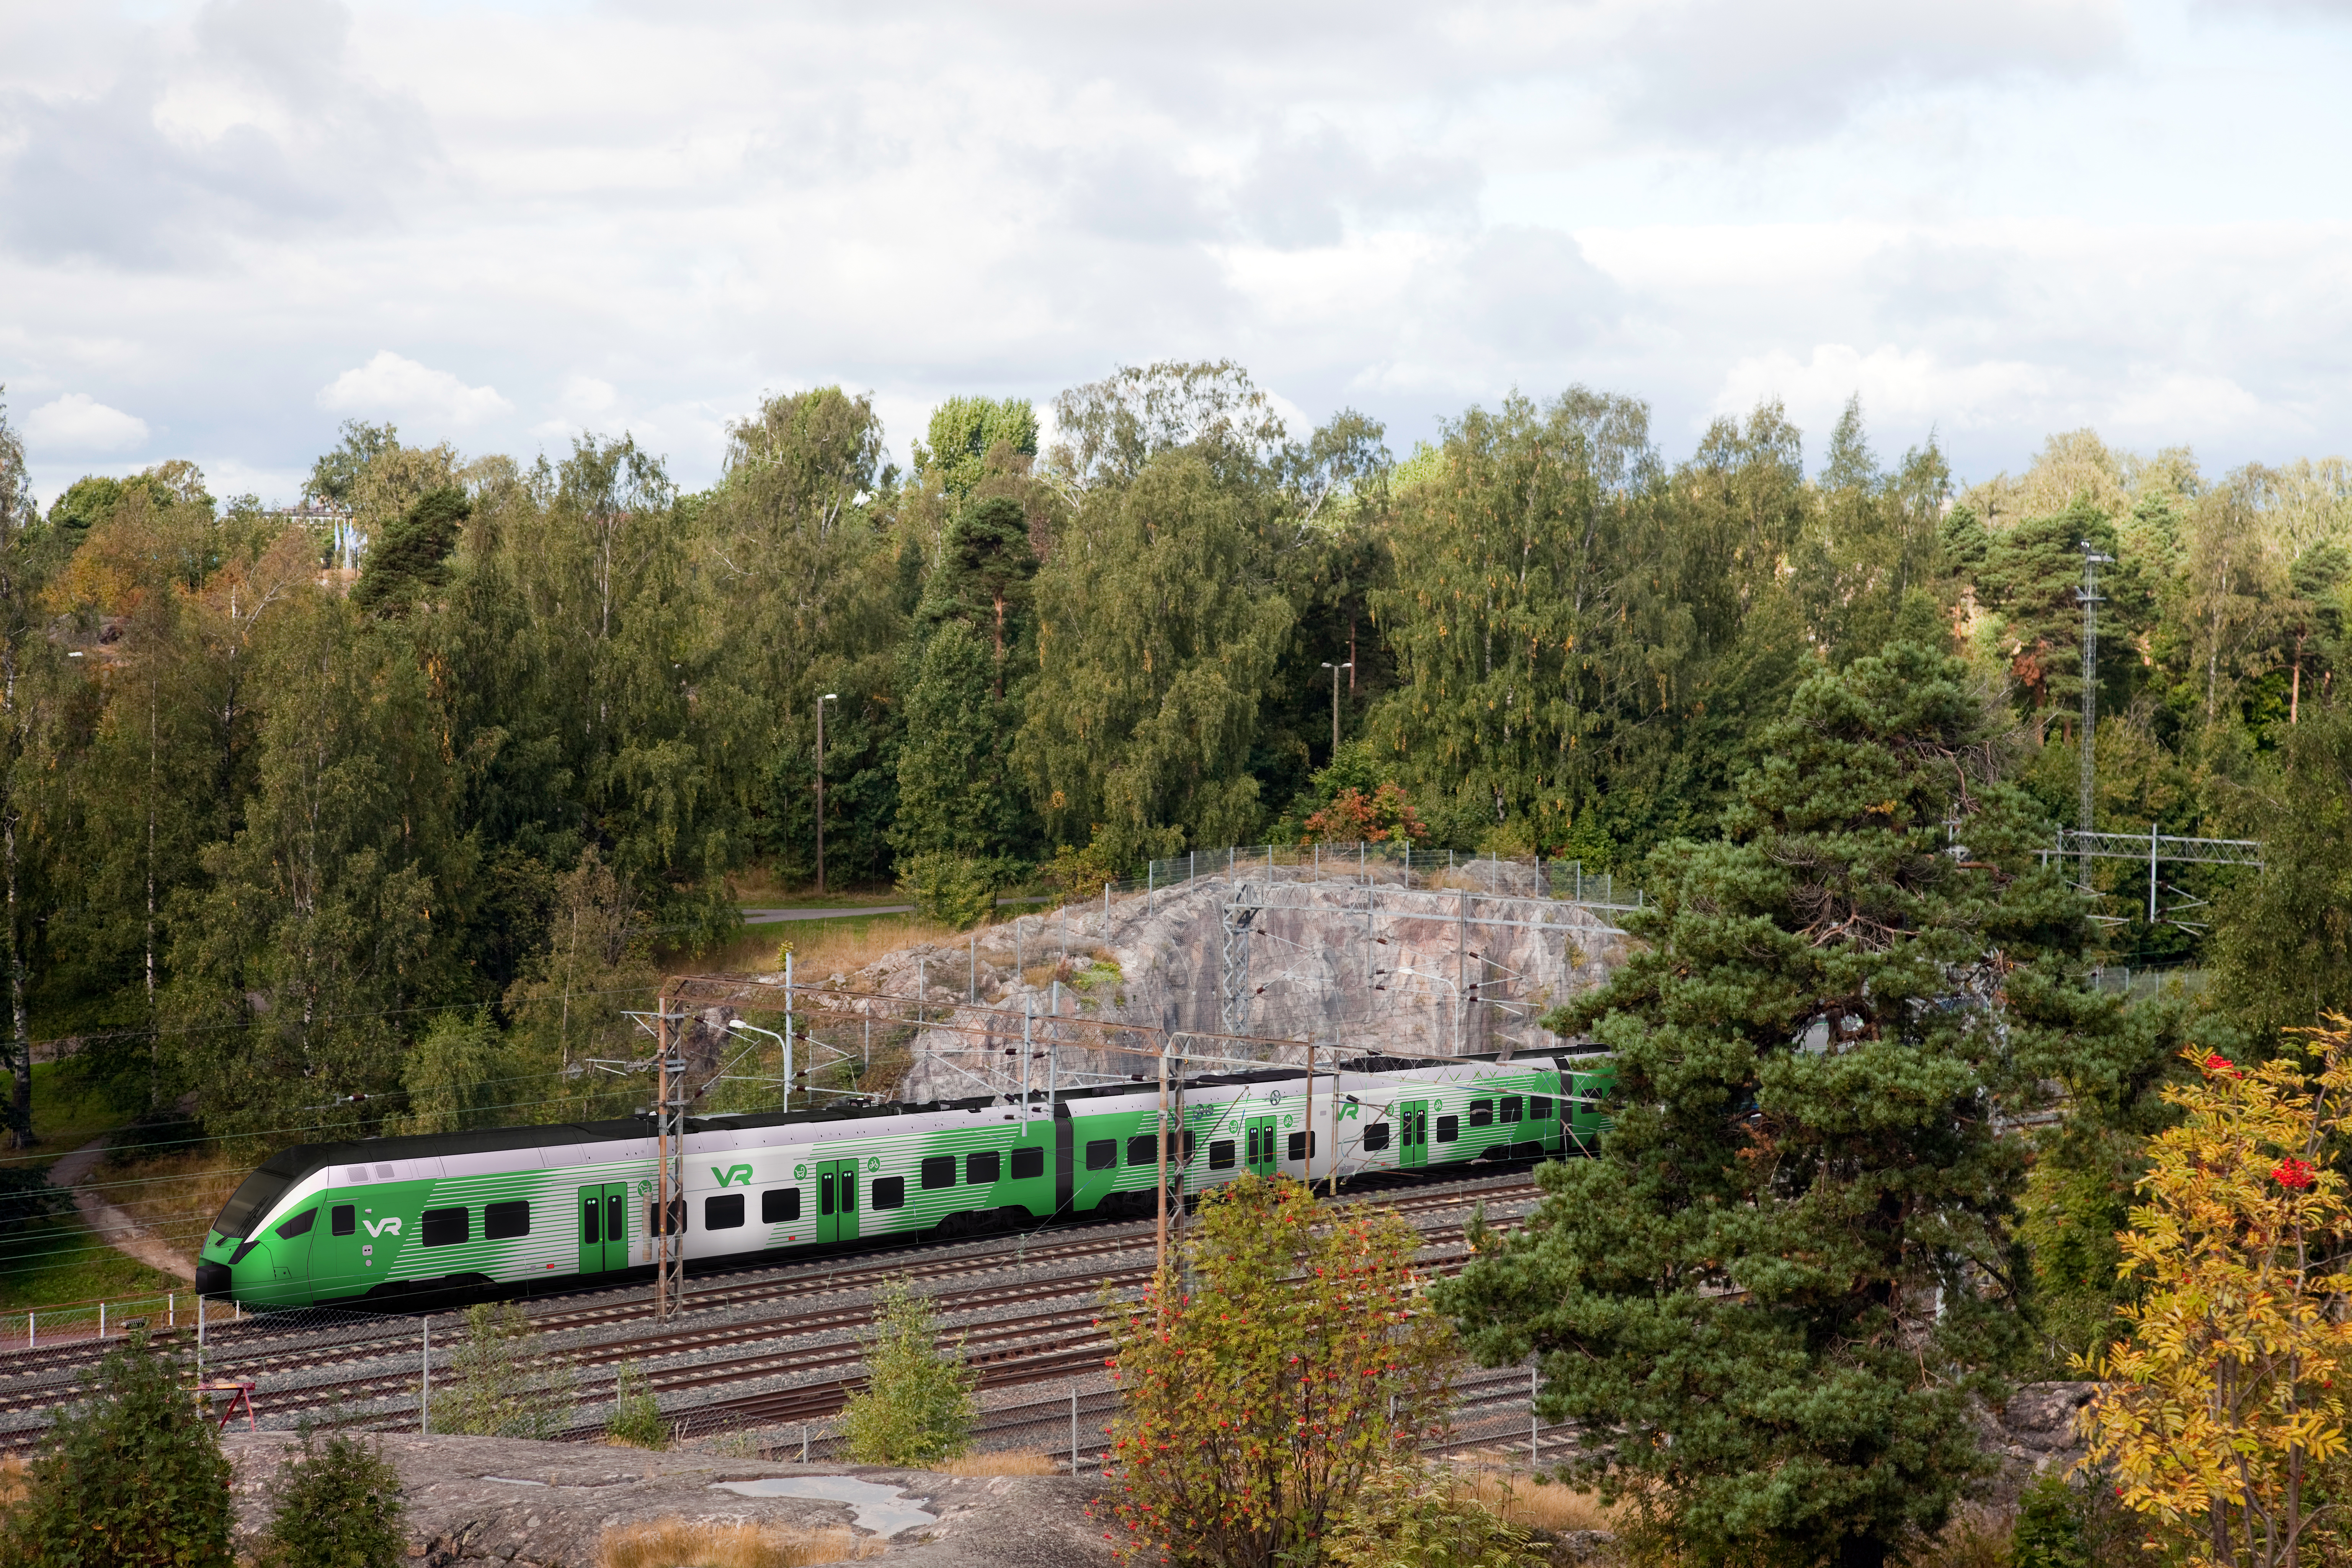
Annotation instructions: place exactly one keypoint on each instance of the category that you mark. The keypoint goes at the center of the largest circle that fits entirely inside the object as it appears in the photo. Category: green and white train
(507, 1210)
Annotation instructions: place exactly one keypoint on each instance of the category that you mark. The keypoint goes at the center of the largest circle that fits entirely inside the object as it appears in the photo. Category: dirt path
(113, 1226)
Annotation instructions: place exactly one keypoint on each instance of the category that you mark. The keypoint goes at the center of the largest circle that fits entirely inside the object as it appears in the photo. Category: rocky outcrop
(549, 1505)
(2038, 1429)
(1357, 964)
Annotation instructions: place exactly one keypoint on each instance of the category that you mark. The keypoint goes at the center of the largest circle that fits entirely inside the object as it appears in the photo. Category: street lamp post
(828, 697)
(1335, 669)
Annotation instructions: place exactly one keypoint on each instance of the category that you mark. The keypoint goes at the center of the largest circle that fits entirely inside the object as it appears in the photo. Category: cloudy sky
(226, 228)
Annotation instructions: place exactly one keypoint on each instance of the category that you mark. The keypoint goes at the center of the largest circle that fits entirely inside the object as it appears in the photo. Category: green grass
(67, 1113)
(62, 1259)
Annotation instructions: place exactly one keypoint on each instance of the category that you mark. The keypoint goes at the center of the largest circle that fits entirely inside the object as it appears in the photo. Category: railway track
(725, 1316)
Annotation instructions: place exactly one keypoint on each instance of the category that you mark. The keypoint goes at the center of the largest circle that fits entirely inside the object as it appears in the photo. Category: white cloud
(1985, 218)
(1906, 391)
(391, 385)
(78, 422)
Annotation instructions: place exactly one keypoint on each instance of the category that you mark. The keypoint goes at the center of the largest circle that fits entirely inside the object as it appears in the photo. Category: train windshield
(242, 1214)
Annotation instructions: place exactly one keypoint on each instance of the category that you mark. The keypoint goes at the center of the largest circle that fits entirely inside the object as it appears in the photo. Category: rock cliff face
(1358, 963)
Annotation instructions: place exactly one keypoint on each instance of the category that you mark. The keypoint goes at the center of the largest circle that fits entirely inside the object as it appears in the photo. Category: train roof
(299, 1160)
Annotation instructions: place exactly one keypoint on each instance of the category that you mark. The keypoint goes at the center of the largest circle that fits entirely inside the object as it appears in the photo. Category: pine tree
(1792, 1261)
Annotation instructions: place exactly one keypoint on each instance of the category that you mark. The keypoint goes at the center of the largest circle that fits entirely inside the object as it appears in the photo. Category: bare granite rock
(547, 1505)
(2036, 1430)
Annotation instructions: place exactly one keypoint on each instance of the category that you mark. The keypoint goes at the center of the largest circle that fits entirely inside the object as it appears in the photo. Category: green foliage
(637, 1418)
(408, 557)
(957, 890)
(338, 1505)
(916, 1409)
(1793, 1262)
(271, 824)
(2282, 948)
(1156, 643)
(962, 432)
(27, 1196)
(129, 1477)
(460, 1076)
(956, 789)
(1402, 1518)
(1076, 873)
(2049, 1532)
(498, 1384)
(1274, 1389)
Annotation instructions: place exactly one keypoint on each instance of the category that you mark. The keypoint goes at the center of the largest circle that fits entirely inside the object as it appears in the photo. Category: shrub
(1402, 1518)
(916, 1408)
(2049, 1532)
(1298, 1369)
(337, 1506)
(131, 1475)
(637, 1418)
(497, 1386)
(957, 890)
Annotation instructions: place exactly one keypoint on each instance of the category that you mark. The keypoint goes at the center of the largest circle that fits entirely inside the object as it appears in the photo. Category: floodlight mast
(2087, 595)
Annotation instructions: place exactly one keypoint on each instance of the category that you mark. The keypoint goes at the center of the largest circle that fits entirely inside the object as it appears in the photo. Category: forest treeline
(452, 753)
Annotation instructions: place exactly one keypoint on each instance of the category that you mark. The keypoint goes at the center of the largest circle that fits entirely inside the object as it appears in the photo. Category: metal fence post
(1531, 1420)
(425, 1391)
(101, 1319)
(1074, 1426)
(803, 1442)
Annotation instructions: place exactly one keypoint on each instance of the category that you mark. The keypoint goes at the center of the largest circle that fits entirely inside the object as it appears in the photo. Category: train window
(724, 1211)
(1028, 1163)
(1143, 1150)
(981, 1169)
(825, 1193)
(938, 1171)
(1449, 1128)
(1376, 1136)
(615, 1220)
(778, 1205)
(1510, 1108)
(342, 1220)
(849, 1188)
(676, 1217)
(1482, 1113)
(445, 1228)
(1102, 1153)
(301, 1223)
(1302, 1146)
(1183, 1152)
(1221, 1153)
(591, 1231)
(1540, 1108)
(890, 1192)
(504, 1221)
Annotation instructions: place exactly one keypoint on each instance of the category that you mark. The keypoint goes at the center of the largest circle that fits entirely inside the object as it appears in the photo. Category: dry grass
(1977, 1537)
(675, 1543)
(1542, 1505)
(820, 948)
(176, 1197)
(1001, 1465)
(14, 1482)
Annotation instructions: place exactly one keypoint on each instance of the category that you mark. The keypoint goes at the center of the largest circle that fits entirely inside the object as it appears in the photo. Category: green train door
(837, 1200)
(1262, 1151)
(1412, 1134)
(604, 1228)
